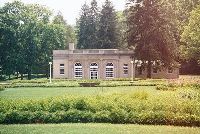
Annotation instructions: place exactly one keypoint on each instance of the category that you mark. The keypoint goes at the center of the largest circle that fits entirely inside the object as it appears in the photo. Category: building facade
(101, 64)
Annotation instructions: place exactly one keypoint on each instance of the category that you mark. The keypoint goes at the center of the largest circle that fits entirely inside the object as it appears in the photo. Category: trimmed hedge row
(137, 107)
(75, 84)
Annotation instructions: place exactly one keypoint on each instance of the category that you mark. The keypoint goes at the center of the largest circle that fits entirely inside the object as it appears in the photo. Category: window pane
(125, 67)
(62, 71)
(94, 71)
(78, 70)
(109, 70)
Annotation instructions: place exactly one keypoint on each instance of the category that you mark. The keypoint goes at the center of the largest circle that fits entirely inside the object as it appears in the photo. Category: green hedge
(137, 107)
(75, 84)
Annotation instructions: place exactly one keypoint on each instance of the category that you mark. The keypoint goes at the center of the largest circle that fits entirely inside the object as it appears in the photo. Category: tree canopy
(191, 36)
(97, 29)
(150, 33)
(28, 37)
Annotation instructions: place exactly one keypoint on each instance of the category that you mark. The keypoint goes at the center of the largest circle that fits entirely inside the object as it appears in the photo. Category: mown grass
(39, 92)
(95, 128)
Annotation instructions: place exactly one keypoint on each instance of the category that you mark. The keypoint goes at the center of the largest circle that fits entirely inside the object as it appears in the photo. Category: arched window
(109, 70)
(93, 71)
(78, 71)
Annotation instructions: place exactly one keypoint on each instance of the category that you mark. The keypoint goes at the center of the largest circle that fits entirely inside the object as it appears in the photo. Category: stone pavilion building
(102, 64)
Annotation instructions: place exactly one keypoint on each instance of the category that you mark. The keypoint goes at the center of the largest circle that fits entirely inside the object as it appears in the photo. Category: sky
(69, 8)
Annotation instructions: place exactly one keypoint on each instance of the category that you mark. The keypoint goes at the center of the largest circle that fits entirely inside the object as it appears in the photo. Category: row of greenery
(173, 108)
(161, 84)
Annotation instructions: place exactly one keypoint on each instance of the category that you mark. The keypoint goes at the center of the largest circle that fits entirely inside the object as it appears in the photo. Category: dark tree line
(28, 36)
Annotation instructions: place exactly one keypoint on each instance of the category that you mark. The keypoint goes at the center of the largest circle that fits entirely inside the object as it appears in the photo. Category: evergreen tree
(93, 25)
(149, 33)
(83, 28)
(107, 34)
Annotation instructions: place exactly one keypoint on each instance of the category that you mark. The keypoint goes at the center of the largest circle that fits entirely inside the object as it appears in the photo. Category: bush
(137, 107)
(169, 87)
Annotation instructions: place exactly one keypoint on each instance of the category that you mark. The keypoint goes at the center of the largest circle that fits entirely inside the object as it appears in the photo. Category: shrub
(169, 87)
(140, 95)
(137, 107)
(79, 104)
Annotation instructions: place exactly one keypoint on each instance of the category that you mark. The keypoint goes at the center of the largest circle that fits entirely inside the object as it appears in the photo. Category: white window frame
(62, 67)
(109, 71)
(93, 71)
(78, 71)
(125, 69)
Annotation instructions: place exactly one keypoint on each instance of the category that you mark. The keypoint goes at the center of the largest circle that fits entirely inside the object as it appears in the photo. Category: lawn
(39, 92)
(95, 129)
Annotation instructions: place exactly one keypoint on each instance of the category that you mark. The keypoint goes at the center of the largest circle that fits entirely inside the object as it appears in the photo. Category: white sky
(69, 8)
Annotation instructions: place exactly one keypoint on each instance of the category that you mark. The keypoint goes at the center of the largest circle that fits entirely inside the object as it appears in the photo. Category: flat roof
(93, 51)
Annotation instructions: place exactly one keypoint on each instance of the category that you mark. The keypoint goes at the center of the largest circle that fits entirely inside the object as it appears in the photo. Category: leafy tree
(10, 27)
(69, 30)
(191, 36)
(107, 34)
(149, 33)
(28, 37)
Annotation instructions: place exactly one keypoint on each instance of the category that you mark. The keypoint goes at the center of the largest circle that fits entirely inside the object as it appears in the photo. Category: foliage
(28, 37)
(88, 26)
(191, 36)
(95, 29)
(169, 87)
(137, 107)
(107, 33)
(150, 32)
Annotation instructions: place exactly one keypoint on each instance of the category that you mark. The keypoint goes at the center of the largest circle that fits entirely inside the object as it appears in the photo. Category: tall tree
(83, 28)
(107, 34)
(28, 37)
(93, 25)
(70, 32)
(122, 29)
(149, 33)
(191, 36)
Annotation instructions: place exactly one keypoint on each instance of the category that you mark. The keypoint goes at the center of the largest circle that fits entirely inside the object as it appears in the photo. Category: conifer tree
(93, 25)
(149, 33)
(107, 33)
(83, 28)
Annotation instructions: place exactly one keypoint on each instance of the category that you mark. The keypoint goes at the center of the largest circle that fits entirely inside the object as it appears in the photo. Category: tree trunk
(149, 69)
(9, 76)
